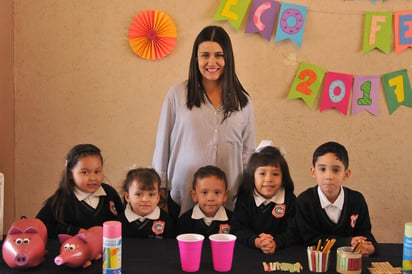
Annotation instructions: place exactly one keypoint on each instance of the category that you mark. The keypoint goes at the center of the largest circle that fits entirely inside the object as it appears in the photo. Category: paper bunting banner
(336, 92)
(337, 89)
(397, 89)
(307, 83)
(152, 34)
(403, 30)
(378, 31)
(365, 94)
(262, 17)
(232, 11)
(291, 23)
(292, 20)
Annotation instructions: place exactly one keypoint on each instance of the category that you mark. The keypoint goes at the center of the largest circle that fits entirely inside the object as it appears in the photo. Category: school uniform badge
(279, 211)
(353, 220)
(224, 228)
(158, 227)
(113, 208)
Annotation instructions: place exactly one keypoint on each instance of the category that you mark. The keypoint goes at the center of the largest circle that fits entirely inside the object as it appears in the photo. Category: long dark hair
(234, 96)
(268, 156)
(66, 185)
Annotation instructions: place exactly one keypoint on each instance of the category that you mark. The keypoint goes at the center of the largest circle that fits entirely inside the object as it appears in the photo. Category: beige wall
(78, 81)
(7, 108)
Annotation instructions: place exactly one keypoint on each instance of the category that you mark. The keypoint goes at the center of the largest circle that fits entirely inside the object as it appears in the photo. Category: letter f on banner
(378, 31)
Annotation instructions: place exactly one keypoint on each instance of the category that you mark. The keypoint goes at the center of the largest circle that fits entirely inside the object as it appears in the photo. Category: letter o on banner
(336, 98)
(285, 21)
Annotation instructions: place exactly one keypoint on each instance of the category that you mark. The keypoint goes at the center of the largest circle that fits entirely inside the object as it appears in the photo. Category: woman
(206, 120)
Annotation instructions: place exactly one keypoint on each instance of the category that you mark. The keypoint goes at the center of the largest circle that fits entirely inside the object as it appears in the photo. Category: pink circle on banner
(297, 25)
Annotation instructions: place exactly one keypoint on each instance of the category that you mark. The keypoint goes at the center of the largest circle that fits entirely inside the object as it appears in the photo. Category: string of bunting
(338, 87)
(309, 78)
(292, 19)
(262, 17)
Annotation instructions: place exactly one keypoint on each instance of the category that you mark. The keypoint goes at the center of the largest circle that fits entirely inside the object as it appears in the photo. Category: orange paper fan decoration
(152, 34)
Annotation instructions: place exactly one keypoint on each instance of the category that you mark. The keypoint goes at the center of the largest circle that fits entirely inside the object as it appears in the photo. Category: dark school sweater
(78, 214)
(188, 225)
(313, 223)
(248, 220)
(159, 229)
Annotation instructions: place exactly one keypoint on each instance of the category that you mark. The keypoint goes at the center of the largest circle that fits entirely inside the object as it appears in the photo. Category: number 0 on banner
(307, 83)
(337, 91)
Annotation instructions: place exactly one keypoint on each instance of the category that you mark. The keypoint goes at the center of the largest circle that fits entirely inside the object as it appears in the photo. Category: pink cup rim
(190, 237)
(222, 237)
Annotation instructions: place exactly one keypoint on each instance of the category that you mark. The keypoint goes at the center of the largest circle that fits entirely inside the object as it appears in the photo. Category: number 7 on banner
(397, 89)
(307, 83)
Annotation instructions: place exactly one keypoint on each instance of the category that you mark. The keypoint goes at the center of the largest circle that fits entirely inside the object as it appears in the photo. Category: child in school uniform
(82, 199)
(265, 202)
(209, 192)
(329, 210)
(142, 216)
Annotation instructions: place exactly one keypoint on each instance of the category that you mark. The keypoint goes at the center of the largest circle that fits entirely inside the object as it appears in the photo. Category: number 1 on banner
(365, 94)
(307, 83)
(366, 89)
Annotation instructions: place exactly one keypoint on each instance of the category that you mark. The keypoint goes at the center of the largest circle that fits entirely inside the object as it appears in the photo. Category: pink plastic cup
(190, 247)
(222, 251)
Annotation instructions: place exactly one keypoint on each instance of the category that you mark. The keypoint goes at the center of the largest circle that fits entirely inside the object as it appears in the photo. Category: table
(162, 256)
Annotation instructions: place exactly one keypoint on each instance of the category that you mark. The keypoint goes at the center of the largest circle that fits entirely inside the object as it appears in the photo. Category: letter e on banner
(403, 30)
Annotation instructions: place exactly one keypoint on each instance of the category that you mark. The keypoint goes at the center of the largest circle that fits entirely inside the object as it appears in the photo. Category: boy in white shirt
(209, 192)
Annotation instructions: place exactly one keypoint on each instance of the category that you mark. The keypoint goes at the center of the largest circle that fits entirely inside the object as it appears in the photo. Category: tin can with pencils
(348, 261)
(318, 261)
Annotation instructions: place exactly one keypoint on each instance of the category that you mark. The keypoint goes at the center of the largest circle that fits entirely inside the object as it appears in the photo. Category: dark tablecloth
(162, 256)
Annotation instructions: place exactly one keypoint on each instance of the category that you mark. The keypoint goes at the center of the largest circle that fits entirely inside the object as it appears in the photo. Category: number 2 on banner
(304, 86)
(399, 92)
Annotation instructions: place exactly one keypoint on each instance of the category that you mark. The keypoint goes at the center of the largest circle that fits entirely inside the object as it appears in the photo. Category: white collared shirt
(131, 216)
(278, 198)
(92, 199)
(332, 210)
(219, 216)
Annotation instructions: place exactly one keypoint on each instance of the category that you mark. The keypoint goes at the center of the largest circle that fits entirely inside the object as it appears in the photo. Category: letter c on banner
(258, 14)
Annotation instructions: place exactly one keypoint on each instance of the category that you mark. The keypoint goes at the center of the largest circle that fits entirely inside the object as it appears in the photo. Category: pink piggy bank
(81, 249)
(25, 244)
